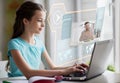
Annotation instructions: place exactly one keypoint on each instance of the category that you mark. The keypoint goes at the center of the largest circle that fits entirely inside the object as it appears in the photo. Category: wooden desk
(107, 77)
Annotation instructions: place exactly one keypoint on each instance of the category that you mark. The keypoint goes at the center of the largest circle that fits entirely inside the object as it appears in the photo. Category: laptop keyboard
(76, 74)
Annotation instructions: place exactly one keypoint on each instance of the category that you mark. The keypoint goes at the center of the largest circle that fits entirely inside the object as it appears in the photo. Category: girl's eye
(39, 20)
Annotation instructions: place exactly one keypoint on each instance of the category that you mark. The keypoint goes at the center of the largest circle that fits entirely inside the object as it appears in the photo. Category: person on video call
(88, 33)
(25, 48)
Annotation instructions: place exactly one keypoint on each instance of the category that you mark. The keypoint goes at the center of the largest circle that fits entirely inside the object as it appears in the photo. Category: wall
(1, 27)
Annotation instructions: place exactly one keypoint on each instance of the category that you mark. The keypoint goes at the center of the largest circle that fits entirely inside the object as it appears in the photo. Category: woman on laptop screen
(88, 33)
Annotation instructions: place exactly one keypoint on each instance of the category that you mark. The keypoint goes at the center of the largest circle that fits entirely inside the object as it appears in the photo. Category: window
(67, 23)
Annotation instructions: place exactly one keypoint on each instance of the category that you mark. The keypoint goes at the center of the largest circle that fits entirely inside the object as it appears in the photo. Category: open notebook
(33, 79)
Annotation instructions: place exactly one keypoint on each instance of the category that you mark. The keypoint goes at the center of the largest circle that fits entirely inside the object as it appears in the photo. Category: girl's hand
(71, 69)
(83, 66)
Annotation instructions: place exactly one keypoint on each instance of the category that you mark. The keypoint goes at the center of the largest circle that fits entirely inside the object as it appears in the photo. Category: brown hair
(26, 10)
(86, 23)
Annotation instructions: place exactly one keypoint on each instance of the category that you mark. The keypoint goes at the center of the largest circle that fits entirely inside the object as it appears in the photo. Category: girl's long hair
(26, 10)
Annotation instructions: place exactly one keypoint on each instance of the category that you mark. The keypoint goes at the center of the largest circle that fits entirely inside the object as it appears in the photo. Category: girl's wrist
(61, 72)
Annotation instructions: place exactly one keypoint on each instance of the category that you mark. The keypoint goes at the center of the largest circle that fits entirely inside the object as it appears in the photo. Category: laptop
(98, 61)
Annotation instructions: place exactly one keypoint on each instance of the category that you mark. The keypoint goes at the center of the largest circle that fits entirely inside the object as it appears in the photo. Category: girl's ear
(25, 21)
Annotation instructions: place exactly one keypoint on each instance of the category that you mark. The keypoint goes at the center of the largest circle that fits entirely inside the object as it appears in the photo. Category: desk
(106, 77)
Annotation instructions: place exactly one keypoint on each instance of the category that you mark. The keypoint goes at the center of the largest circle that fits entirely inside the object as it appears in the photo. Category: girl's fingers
(84, 65)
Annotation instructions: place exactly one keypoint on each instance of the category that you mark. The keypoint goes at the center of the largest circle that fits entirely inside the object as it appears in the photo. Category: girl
(25, 49)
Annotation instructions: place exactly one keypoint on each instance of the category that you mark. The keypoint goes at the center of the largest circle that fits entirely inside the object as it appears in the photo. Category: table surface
(106, 77)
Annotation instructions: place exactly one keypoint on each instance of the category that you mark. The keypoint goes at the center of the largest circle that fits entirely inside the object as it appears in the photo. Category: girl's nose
(43, 24)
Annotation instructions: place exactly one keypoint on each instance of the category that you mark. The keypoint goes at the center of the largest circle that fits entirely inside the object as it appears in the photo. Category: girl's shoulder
(16, 41)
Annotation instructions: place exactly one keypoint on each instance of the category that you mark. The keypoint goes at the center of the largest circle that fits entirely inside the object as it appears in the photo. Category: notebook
(98, 61)
(41, 79)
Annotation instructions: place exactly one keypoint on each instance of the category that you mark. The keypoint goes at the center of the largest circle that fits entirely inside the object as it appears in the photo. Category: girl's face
(37, 22)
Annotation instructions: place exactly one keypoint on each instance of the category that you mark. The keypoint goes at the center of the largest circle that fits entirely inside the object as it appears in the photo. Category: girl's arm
(50, 63)
(54, 67)
(28, 72)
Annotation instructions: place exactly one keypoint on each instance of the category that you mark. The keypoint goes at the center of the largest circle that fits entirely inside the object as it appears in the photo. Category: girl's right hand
(72, 69)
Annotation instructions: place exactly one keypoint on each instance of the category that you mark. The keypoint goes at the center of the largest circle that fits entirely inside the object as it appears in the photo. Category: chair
(3, 72)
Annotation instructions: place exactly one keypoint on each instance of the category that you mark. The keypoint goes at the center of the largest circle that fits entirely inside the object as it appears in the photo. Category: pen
(6, 81)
